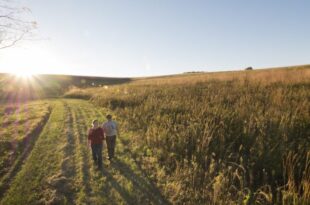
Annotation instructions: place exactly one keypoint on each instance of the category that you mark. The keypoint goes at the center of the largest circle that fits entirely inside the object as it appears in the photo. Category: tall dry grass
(263, 76)
(222, 138)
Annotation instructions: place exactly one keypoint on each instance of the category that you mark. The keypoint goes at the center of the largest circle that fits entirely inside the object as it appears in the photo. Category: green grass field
(20, 127)
(59, 169)
(212, 138)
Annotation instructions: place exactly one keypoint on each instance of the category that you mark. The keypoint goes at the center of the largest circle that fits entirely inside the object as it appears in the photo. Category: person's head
(109, 117)
(95, 123)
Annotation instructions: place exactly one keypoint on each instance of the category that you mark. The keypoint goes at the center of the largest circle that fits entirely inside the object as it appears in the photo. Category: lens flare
(24, 74)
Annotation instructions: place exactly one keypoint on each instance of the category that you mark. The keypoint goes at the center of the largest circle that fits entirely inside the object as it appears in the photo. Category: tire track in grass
(29, 141)
(84, 168)
(41, 180)
(68, 165)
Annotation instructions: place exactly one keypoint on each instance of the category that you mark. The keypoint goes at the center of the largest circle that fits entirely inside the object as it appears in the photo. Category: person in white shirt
(111, 130)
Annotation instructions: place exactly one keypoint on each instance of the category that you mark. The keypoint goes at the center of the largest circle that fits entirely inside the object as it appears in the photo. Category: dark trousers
(111, 145)
(97, 154)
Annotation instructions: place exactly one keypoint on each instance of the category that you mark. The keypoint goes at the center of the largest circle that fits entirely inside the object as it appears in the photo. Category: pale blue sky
(158, 37)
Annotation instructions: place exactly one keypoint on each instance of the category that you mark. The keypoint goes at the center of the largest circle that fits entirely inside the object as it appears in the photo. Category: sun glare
(23, 74)
(33, 59)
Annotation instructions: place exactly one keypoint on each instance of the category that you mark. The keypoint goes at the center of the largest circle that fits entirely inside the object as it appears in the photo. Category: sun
(24, 74)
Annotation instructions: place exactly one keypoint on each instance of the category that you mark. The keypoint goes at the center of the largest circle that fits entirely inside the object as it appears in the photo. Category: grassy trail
(28, 141)
(59, 170)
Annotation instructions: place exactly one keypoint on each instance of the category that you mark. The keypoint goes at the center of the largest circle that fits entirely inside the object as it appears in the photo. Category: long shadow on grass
(68, 165)
(145, 181)
(28, 143)
(81, 127)
(142, 184)
(112, 183)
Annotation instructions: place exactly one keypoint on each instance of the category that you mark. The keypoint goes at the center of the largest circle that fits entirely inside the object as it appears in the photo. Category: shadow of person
(142, 184)
(112, 183)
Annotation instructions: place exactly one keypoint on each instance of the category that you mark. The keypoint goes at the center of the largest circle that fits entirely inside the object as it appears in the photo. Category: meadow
(239, 137)
(222, 138)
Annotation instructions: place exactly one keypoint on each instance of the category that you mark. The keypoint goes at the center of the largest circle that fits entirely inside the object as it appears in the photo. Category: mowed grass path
(59, 170)
(21, 124)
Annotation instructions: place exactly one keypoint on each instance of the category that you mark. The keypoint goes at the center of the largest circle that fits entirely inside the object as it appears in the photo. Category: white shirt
(110, 128)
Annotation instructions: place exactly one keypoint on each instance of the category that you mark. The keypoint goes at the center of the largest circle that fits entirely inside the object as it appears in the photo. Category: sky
(131, 38)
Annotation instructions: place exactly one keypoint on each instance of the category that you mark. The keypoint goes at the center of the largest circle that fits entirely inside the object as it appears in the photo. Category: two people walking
(97, 134)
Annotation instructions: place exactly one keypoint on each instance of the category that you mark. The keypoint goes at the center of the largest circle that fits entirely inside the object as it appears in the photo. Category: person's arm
(89, 138)
(103, 127)
(102, 133)
(117, 129)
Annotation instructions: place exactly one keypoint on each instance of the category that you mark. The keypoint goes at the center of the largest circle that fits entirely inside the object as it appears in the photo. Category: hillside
(41, 86)
(226, 138)
(238, 137)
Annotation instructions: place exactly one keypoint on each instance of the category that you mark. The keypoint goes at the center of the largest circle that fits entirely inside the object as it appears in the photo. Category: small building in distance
(194, 72)
(249, 68)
